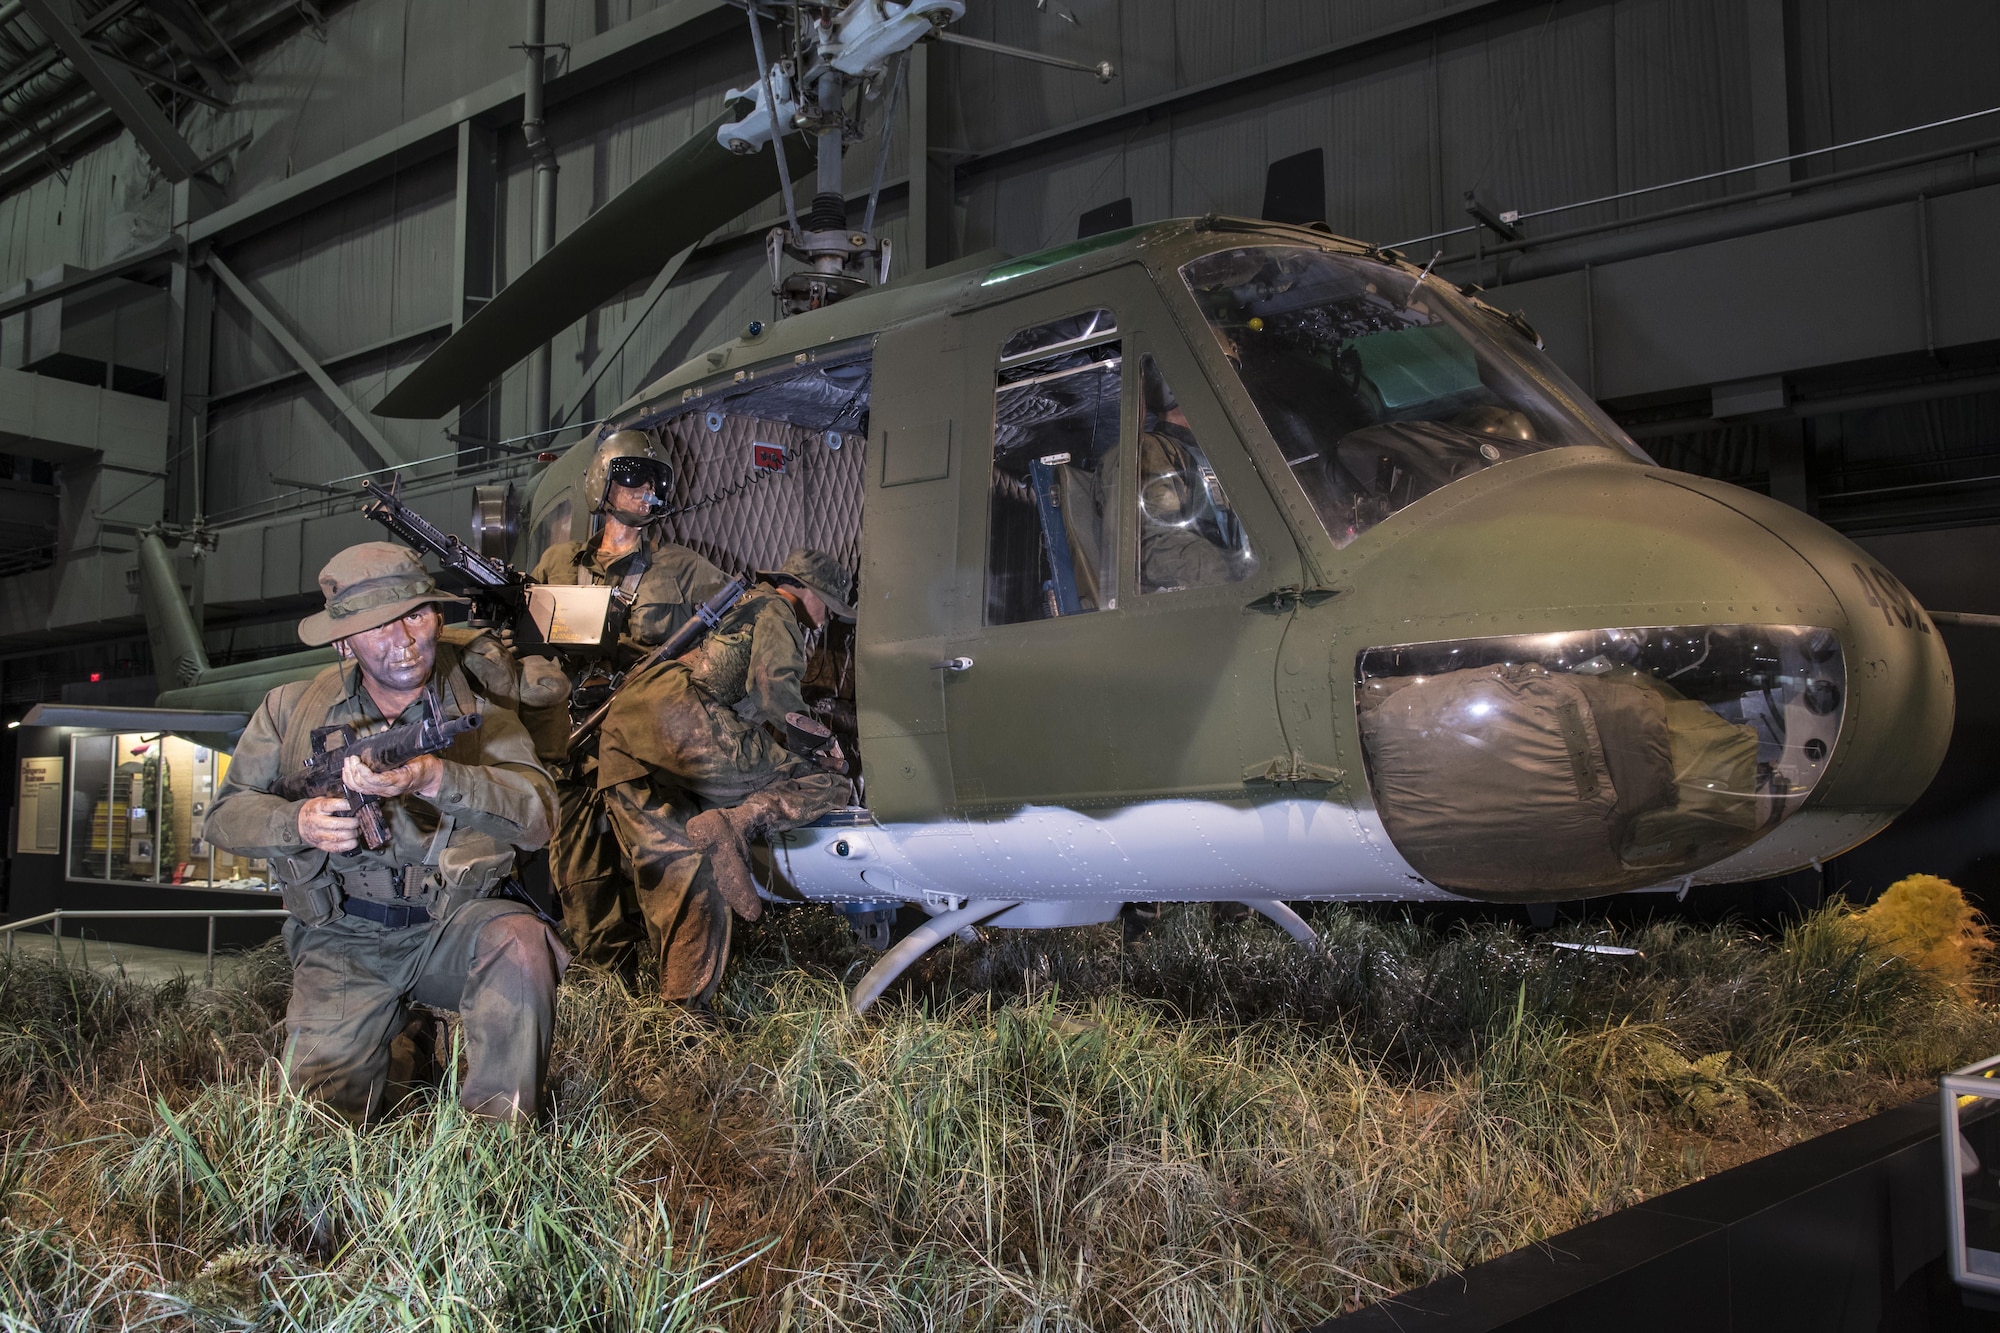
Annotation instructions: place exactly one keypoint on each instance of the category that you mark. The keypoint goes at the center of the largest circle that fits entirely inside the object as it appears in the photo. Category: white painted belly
(1158, 851)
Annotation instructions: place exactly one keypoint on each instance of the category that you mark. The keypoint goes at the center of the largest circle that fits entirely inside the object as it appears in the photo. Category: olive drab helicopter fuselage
(1206, 560)
(1227, 560)
(1234, 561)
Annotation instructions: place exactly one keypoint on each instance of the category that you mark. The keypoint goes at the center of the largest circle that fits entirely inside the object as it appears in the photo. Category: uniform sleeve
(777, 665)
(508, 795)
(557, 565)
(246, 818)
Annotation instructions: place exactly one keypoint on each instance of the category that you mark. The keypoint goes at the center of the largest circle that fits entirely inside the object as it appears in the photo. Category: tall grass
(1209, 1128)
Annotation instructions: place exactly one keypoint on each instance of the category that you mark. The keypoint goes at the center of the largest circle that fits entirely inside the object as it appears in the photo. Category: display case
(1969, 1098)
(138, 814)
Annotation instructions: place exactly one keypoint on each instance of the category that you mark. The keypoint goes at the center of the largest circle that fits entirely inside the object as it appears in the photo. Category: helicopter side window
(1189, 536)
(1381, 385)
(1056, 417)
(1058, 334)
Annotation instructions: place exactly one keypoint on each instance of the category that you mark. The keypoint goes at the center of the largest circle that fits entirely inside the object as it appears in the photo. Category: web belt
(393, 915)
(382, 882)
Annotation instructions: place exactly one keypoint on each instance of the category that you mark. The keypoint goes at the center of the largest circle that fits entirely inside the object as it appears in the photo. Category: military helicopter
(1220, 559)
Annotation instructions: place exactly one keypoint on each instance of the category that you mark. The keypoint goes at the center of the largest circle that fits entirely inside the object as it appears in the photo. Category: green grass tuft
(1207, 1129)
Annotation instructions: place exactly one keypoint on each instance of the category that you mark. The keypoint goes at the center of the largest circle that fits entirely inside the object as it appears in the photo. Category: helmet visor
(651, 472)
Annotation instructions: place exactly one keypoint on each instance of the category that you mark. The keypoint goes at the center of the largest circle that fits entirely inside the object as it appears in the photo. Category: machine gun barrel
(706, 617)
(500, 590)
(381, 752)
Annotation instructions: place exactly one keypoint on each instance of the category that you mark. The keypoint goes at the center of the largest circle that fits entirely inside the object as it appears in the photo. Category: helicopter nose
(1900, 695)
(1638, 678)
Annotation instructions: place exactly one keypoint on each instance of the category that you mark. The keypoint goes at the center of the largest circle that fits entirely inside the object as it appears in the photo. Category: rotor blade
(694, 189)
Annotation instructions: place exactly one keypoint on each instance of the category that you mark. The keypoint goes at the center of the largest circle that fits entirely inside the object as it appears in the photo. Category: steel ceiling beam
(181, 19)
(162, 78)
(386, 455)
(674, 26)
(119, 89)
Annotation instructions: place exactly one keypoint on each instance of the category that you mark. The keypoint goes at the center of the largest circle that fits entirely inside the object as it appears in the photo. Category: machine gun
(381, 751)
(706, 617)
(499, 591)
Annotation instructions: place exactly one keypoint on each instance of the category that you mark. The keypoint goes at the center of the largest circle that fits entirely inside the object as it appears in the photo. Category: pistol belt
(383, 894)
(393, 915)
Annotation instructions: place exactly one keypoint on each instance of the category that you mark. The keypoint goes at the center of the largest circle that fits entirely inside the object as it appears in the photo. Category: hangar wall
(384, 191)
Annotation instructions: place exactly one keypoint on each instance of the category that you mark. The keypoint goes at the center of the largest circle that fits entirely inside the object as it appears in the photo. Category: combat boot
(723, 836)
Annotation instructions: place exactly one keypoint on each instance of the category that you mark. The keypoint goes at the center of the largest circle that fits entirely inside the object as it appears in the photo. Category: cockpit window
(1380, 386)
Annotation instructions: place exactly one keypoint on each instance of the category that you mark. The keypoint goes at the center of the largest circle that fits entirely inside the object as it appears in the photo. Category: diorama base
(1840, 1234)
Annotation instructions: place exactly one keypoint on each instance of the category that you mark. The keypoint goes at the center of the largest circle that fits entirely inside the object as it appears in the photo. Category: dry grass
(1209, 1129)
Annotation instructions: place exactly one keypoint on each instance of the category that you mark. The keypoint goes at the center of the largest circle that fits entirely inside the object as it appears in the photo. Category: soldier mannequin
(659, 584)
(417, 919)
(691, 767)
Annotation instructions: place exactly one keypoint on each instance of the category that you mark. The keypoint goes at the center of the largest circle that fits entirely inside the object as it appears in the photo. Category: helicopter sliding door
(1115, 532)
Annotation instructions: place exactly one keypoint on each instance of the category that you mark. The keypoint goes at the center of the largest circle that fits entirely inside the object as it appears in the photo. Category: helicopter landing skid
(915, 945)
(928, 936)
(1293, 924)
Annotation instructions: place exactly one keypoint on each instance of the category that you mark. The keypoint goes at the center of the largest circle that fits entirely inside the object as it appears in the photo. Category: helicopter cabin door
(1115, 533)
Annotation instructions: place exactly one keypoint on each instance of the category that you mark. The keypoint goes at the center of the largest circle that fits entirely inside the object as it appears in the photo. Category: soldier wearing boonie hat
(416, 919)
(694, 761)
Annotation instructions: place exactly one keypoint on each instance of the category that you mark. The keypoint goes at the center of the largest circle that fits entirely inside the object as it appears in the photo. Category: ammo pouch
(309, 893)
(386, 883)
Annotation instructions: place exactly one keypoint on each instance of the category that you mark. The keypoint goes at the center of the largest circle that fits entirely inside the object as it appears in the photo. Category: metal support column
(534, 129)
(190, 337)
(473, 268)
(930, 189)
(1770, 88)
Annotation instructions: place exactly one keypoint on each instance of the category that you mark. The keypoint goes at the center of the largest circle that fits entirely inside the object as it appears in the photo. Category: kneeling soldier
(692, 766)
(421, 918)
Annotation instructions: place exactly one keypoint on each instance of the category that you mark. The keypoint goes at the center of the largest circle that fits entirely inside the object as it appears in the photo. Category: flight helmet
(628, 458)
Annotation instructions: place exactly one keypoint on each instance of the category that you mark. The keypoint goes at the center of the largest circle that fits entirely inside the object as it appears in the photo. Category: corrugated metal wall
(1538, 106)
(1531, 104)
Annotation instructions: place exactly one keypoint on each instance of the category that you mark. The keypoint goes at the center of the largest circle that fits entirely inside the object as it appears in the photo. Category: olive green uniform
(690, 735)
(489, 958)
(666, 583)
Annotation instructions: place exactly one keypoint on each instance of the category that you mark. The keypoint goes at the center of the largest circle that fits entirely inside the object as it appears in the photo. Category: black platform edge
(1845, 1231)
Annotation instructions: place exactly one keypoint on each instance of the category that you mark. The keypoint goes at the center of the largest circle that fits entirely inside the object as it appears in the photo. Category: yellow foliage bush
(1926, 920)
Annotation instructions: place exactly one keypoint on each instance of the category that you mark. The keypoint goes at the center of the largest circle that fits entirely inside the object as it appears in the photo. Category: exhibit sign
(40, 805)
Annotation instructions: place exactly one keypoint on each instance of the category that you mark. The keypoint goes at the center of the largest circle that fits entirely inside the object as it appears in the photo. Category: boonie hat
(819, 571)
(366, 587)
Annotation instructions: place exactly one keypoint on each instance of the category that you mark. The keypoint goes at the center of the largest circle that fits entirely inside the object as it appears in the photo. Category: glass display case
(138, 813)
(1968, 1098)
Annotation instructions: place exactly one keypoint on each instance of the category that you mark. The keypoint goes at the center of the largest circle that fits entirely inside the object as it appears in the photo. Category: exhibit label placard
(39, 830)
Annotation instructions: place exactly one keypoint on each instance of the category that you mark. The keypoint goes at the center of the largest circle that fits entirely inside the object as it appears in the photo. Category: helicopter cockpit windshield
(1381, 386)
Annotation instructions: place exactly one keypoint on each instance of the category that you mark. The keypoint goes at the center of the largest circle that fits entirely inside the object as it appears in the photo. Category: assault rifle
(706, 617)
(381, 751)
(499, 591)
